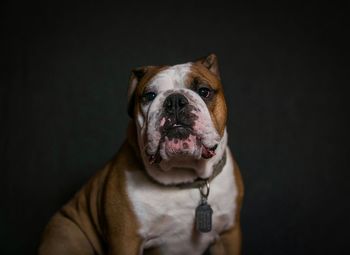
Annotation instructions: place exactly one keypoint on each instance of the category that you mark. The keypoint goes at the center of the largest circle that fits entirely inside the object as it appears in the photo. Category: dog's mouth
(180, 141)
(177, 131)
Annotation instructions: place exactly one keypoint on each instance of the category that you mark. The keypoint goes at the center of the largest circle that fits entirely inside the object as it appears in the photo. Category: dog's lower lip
(206, 154)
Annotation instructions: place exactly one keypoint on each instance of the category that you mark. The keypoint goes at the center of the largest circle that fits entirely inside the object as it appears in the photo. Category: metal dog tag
(203, 217)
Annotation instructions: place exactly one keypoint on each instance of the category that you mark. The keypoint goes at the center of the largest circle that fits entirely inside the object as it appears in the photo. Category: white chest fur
(166, 214)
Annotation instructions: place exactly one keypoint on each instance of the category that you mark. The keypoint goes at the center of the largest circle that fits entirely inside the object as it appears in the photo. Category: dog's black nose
(174, 103)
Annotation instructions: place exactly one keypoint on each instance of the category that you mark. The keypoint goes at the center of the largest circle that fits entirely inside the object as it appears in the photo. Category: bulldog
(173, 187)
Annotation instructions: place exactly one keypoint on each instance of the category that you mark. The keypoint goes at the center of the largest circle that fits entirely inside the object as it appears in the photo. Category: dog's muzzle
(179, 119)
(178, 137)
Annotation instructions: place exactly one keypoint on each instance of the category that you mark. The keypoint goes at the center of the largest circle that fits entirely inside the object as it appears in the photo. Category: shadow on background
(65, 68)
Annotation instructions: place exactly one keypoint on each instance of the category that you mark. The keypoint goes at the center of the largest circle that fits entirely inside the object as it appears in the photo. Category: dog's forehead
(171, 77)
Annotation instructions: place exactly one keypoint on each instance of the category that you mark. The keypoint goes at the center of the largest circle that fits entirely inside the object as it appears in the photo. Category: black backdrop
(64, 77)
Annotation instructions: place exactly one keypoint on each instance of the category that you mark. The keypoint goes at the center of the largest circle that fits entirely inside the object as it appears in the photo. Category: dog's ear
(135, 77)
(211, 63)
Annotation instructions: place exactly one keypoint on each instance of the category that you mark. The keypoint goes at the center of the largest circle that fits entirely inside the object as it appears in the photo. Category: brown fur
(217, 106)
(98, 214)
(230, 242)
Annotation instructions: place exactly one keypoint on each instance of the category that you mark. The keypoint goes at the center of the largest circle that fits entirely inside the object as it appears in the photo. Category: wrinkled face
(180, 114)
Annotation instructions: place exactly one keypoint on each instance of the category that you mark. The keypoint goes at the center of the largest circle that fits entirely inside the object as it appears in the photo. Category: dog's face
(180, 115)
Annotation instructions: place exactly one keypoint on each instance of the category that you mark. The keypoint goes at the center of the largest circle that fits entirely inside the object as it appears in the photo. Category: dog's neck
(199, 182)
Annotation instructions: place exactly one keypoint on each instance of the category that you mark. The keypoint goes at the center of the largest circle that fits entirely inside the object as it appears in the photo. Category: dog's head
(180, 114)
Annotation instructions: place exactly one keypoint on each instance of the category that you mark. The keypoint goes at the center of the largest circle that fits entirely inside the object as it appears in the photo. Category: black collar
(199, 182)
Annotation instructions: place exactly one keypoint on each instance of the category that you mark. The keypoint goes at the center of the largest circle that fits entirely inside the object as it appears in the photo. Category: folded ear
(135, 77)
(211, 63)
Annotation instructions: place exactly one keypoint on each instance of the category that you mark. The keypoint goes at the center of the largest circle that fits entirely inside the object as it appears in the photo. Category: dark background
(65, 68)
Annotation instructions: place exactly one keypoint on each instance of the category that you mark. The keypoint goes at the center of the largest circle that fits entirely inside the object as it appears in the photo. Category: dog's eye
(204, 92)
(148, 97)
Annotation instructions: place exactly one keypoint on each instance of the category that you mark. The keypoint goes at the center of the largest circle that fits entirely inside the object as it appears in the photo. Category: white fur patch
(166, 214)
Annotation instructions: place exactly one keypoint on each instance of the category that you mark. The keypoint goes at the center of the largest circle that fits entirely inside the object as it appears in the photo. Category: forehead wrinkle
(159, 82)
(172, 77)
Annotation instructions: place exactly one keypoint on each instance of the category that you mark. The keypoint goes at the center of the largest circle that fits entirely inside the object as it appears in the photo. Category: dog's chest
(167, 214)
